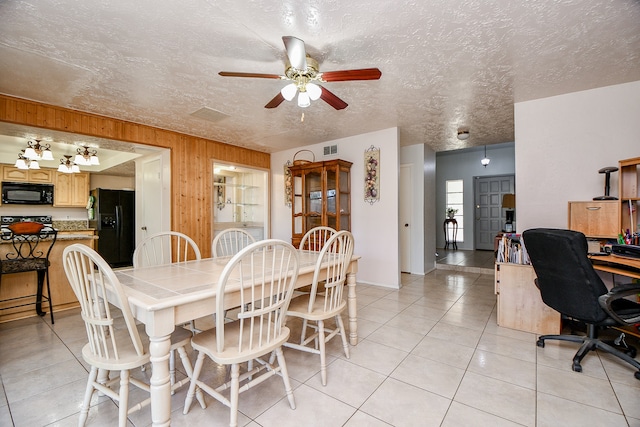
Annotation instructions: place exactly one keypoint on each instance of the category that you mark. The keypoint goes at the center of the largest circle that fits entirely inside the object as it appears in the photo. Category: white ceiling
(446, 64)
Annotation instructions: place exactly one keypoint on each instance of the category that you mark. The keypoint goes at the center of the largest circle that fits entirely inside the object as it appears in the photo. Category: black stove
(6, 221)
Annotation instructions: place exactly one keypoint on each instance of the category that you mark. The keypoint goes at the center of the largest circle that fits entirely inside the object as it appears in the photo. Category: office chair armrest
(618, 292)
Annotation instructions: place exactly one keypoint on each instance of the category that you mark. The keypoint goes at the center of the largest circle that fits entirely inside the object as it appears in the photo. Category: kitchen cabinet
(519, 304)
(321, 197)
(40, 176)
(71, 189)
(629, 186)
(597, 218)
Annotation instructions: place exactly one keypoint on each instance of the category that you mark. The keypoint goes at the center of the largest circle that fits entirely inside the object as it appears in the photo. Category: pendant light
(485, 160)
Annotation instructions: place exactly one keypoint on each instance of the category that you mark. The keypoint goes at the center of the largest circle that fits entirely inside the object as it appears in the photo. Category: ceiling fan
(303, 72)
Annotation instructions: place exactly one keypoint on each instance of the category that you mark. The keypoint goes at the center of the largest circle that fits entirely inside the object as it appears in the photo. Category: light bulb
(303, 100)
(289, 91)
(314, 91)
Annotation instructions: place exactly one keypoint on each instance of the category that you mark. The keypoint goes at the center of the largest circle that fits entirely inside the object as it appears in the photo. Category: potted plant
(451, 212)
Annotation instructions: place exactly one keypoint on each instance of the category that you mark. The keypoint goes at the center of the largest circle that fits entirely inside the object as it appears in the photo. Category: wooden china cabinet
(321, 196)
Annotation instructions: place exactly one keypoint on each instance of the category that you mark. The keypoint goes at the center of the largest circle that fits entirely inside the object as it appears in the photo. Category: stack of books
(511, 249)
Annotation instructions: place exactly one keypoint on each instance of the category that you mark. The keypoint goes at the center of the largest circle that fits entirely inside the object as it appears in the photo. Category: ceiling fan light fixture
(289, 91)
(303, 100)
(314, 91)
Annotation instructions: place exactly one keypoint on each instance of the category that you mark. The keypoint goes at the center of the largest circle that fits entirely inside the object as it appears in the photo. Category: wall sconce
(485, 160)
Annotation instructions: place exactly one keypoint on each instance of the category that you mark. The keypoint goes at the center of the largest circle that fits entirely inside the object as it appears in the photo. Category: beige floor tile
(347, 382)
(396, 337)
(629, 397)
(412, 406)
(463, 415)
(505, 400)
(429, 375)
(360, 419)
(504, 368)
(554, 411)
(411, 323)
(444, 351)
(559, 355)
(507, 346)
(313, 409)
(578, 387)
(456, 334)
(376, 357)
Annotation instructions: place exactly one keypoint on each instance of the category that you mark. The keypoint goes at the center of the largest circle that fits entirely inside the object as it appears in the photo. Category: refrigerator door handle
(119, 220)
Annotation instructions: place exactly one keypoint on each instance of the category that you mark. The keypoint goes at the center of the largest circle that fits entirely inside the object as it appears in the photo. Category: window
(455, 196)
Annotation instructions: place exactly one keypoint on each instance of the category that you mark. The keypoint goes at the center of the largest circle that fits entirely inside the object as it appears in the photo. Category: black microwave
(23, 193)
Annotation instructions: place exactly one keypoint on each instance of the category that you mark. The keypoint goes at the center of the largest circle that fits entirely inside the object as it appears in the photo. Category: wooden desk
(614, 264)
(164, 296)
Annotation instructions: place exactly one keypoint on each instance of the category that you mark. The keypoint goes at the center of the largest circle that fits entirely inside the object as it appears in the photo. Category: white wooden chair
(112, 346)
(165, 247)
(326, 299)
(314, 239)
(262, 277)
(230, 241)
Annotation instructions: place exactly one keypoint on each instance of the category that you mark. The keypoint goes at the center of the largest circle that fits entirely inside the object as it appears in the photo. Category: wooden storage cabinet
(321, 197)
(71, 189)
(629, 186)
(598, 218)
(41, 176)
(519, 303)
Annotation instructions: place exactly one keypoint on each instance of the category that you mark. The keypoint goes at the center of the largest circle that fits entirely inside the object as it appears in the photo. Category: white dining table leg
(351, 307)
(160, 384)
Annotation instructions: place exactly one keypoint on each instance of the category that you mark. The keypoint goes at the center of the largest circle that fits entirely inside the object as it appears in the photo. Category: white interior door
(405, 218)
(153, 196)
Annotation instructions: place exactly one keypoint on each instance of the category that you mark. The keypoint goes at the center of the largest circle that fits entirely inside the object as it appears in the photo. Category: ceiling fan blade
(345, 75)
(296, 52)
(332, 100)
(256, 75)
(277, 100)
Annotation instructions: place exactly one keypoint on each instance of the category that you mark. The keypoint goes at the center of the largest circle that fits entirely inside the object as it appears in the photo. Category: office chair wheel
(577, 367)
(637, 375)
(631, 352)
(540, 343)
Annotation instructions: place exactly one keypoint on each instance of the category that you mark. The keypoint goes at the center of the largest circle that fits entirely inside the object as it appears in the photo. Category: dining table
(162, 297)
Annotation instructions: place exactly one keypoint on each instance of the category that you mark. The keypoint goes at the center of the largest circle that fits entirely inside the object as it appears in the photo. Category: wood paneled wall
(191, 157)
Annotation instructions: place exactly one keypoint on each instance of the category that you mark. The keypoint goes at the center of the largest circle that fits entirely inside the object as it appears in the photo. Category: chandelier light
(25, 163)
(37, 151)
(86, 157)
(485, 160)
(67, 166)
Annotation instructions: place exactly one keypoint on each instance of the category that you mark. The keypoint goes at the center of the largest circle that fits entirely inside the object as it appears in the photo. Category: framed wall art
(372, 175)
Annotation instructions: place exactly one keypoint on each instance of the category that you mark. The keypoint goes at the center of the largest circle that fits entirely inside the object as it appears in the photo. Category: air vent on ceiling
(330, 149)
(206, 113)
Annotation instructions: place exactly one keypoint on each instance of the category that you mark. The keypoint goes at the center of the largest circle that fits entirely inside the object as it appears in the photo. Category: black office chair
(569, 284)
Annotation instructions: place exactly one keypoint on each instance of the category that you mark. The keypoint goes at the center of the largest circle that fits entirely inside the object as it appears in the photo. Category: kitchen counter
(20, 284)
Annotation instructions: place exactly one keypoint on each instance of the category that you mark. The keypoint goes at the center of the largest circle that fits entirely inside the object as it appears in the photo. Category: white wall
(421, 158)
(375, 227)
(562, 142)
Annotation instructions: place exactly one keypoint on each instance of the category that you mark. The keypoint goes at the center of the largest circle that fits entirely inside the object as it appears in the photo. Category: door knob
(144, 228)
(406, 225)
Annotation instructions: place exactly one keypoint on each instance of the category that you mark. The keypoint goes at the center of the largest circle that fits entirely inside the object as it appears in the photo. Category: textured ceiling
(446, 64)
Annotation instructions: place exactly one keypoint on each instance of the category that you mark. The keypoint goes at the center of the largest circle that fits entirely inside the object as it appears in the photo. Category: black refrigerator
(114, 223)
